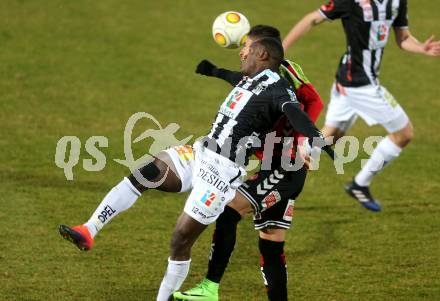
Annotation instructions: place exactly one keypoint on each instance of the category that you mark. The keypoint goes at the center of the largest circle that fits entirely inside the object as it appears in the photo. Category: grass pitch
(82, 68)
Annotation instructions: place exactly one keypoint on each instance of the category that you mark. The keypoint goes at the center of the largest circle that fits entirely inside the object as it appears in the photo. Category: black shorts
(272, 195)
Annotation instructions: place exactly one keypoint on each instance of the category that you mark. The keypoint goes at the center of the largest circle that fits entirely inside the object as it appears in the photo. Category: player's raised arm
(334, 9)
(207, 68)
(302, 27)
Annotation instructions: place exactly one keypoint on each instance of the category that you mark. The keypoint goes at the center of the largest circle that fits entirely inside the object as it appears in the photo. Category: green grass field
(82, 68)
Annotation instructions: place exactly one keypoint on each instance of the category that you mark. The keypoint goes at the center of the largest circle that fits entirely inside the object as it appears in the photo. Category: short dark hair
(264, 31)
(273, 47)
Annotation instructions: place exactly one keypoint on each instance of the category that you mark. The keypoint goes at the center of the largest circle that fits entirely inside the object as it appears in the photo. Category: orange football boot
(78, 235)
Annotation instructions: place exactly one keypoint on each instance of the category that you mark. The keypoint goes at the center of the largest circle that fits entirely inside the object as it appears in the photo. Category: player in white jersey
(357, 91)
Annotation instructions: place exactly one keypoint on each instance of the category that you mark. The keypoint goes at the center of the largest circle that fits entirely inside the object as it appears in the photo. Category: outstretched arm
(207, 68)
(302, 27)
(334, 9)
(406, 41)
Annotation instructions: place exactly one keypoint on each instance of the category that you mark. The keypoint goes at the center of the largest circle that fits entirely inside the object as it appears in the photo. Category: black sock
(273, 268)
(223, 242)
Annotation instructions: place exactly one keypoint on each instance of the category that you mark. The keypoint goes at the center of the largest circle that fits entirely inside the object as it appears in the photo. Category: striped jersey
(367, 26)
(249, 111)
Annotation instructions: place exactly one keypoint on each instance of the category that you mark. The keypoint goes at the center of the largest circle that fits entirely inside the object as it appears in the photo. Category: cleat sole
(72, 236)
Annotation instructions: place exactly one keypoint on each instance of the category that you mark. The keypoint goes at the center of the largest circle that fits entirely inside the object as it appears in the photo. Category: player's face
(249, 61)
(245, 49)
(247, 57)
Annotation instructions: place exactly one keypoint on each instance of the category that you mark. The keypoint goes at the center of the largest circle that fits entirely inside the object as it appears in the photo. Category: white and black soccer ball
(230, 29)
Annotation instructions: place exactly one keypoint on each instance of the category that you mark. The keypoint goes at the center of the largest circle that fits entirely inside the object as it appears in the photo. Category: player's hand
(303, 151)
(205, 67)
(431, 47)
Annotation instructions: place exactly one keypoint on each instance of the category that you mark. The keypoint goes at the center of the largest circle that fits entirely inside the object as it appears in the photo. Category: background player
(357, 91)
(272, 208)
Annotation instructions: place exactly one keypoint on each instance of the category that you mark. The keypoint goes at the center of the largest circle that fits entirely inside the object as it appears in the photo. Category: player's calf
(185, 233)
(274, 269)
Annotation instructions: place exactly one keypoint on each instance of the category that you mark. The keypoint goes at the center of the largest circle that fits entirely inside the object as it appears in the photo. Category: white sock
(119, 199)
(385, 152)
(173, 279)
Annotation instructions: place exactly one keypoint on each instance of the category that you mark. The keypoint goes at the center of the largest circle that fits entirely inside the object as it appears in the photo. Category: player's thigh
(240, 204)
(340, 115)
(334, 132)
(375, 105)
(180, 159)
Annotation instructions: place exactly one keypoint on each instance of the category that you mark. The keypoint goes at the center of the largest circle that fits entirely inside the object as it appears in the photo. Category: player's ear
(264, 55)
(260, 53)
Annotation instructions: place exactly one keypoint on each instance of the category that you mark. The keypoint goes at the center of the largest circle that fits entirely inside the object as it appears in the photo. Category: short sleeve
(335, 9)
(402, 16)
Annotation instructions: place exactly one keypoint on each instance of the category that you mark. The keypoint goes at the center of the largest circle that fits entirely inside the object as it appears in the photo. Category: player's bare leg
(122, 197)
(332, 133)
(404, 136)
(185, 233)
(165, 173)
(273, 265)
(222, 246)
(240, 204)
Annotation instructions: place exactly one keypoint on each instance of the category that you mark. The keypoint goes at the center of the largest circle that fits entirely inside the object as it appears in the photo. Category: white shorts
(373, 103)
(183, 160)
(213, 178)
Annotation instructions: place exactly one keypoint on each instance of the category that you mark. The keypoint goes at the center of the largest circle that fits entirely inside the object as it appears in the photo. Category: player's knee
(147, 173)
(409, 133)
(273, 234)
(403, 136)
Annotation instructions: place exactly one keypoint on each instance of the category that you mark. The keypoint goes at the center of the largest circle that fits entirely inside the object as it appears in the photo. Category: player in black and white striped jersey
(260, 98)
(252, 105)
(250, 110)
(357, 90)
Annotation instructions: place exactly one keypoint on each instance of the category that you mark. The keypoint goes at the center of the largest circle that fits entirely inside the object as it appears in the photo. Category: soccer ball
(230, 29)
